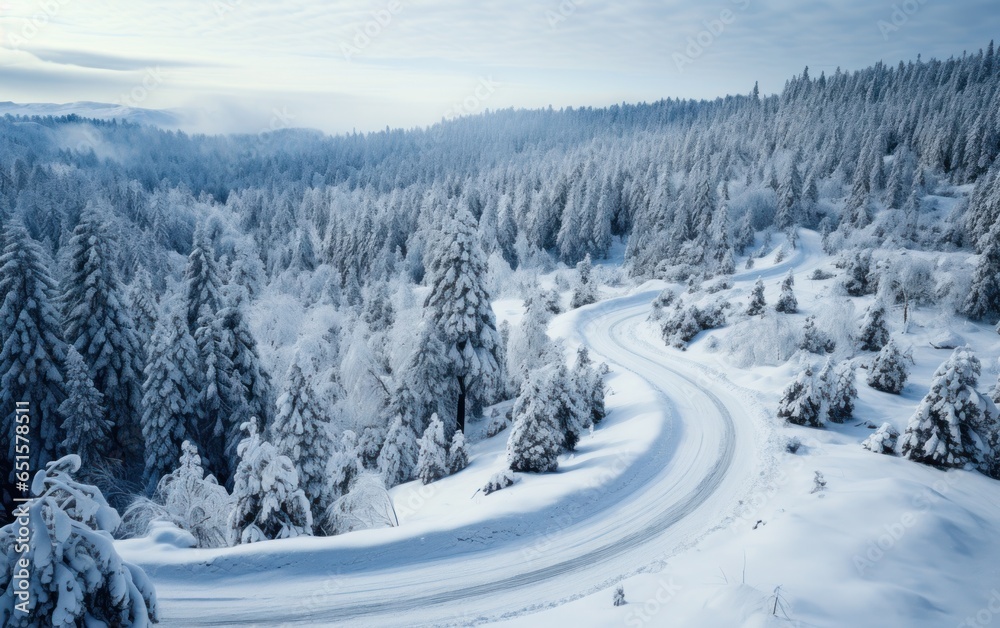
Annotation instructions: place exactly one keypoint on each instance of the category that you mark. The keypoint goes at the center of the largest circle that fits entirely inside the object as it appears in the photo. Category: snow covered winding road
(688, 482)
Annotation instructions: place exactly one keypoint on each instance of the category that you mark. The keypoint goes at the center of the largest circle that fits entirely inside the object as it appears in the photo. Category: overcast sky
(339, 65)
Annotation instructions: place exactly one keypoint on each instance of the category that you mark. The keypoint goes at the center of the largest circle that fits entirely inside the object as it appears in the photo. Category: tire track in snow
(618, 540)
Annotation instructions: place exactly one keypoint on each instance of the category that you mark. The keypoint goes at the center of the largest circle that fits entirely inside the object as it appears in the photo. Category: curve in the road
(692, 493)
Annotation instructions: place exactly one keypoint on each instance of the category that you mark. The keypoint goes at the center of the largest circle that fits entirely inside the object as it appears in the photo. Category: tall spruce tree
(589, 383)
(584, 292)
(240, 347)
(202, 281)
(789, 198)
(170, 395)
(221, 403)
(459, 308)
(102, 330)
(85, 427)
(302, 433)
(570, 410)
(983, 300)
(426, 384)
(145, 309)
(32, 351)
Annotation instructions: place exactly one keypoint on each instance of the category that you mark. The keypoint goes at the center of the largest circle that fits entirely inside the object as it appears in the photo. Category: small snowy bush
(801, 401)
(187, 498)
(888, 371)
(367, 505)
(458, 456)
(814, 340)
(762, 341)
(883, 440)
(682, 325)
(499, 481)
(498, 423)
(432, 461)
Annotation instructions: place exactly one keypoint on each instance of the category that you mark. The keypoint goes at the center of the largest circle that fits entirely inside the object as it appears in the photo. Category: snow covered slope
(671, 462)
(685, 496)
(100, 111)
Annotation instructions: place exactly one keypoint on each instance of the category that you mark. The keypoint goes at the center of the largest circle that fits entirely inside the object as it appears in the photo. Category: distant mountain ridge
(101, 111)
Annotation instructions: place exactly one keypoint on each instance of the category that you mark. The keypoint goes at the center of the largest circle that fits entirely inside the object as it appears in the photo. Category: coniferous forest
(258, 337)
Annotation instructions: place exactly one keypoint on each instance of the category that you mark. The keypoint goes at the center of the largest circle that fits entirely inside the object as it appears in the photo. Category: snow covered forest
(257, 337)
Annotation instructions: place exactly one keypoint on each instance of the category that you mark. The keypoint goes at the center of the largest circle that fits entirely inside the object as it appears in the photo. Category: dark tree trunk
(460, 417)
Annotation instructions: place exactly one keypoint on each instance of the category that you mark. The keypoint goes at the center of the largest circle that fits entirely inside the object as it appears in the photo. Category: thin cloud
(397, 63)
(87, 59)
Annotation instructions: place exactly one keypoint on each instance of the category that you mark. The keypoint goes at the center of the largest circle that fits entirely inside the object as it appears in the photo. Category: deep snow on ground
(885, 543)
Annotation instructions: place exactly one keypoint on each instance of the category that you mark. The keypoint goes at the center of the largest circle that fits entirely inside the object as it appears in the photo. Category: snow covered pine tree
(757, 302)
(801, 401)
(432, 461)
(584, 292)
(843, 392)
(953, 422)
(459, 307)
(535, 439)
(888, 371)
(85, 425)
(269, 502)
(787, 303)
(31, 349)
(100, 326)
(302, 433)
(76, 576)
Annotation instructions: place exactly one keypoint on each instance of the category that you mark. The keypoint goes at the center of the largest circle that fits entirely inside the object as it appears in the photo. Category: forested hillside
(320, 306)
